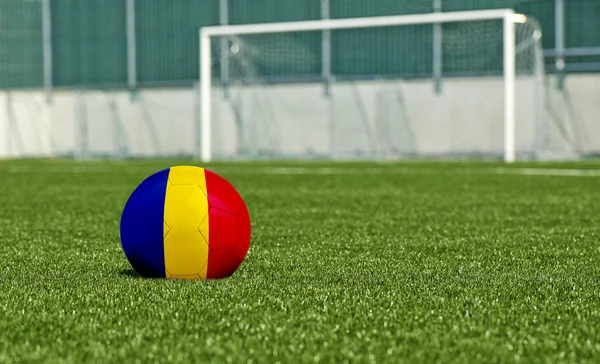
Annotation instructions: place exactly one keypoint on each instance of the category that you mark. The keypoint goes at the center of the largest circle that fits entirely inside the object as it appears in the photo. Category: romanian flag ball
(185, 222)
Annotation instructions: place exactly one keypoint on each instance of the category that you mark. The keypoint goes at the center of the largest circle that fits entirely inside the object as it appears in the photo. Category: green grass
(410, 262)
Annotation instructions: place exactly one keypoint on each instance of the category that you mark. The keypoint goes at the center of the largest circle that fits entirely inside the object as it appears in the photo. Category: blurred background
(119, 79)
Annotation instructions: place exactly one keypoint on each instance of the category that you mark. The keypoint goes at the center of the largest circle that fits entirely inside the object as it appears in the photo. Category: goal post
(506, 16)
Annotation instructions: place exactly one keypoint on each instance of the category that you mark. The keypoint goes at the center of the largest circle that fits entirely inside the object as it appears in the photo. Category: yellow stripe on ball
(186, 220)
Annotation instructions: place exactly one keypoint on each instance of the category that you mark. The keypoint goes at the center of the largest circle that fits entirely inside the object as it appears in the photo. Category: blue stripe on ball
(142, 226)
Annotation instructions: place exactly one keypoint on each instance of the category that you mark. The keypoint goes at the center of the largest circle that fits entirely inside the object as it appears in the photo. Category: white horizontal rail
(353, 23)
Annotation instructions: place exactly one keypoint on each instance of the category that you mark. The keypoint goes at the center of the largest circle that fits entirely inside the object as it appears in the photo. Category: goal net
(440, 85)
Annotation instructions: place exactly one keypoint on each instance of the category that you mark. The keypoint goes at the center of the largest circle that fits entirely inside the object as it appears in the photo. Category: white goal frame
(508, 16)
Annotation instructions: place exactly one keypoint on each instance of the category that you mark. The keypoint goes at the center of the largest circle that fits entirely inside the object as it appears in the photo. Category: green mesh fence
(21, 57)
(89, 42)
(361, 8)
(289, 56)
(263, 11)
(167, 38)
(382, 49)
(582, 30)
(90, 48)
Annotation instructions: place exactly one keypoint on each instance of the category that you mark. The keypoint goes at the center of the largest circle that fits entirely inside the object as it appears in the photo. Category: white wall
(297, 119)
(25, 125)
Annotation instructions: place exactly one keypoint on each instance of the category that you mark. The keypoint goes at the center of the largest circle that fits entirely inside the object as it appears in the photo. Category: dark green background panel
(167, 38)
(382, 51)
(285, 56)
(583, 19)
(266, 11)
(21, 56)
(363, 8)
(89, 40)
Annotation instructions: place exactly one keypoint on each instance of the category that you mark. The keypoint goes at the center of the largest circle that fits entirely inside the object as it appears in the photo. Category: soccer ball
(185, 222)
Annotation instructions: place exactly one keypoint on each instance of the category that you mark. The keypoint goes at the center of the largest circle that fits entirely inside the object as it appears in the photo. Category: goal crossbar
(508, 16)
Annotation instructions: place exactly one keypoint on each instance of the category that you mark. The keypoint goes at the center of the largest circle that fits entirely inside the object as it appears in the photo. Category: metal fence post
(559, 38)
(437, 49)
(47, 48)
(326, 74)
(224, 47)
(326, 49)
(131, 44)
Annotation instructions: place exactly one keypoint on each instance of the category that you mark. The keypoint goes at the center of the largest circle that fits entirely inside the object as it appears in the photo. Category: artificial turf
(356, 262)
